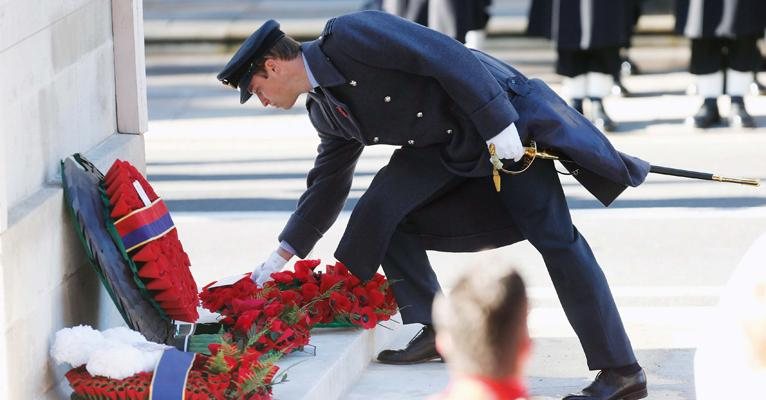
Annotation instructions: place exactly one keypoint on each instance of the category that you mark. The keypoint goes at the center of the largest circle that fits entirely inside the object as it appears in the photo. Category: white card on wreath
(228, 281)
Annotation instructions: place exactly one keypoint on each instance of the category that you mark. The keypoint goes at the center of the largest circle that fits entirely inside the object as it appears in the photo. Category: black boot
(422, 348)
(621, 87)
(738, 116)
(599, 116)
(628, 67)
(577, 105)
(707, 115)
(761, 87)
(610, 385)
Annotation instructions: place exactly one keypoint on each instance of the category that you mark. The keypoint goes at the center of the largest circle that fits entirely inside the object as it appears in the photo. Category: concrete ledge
(127, 147)
(341, 357)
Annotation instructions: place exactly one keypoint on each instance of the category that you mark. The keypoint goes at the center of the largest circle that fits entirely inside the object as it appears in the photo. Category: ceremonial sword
(531, 153)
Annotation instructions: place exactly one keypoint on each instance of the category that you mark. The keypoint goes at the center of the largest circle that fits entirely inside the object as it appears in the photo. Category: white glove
(508, 144)
(262, 273)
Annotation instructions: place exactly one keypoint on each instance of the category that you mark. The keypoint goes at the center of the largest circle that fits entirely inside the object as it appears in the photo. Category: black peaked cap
(239, 70)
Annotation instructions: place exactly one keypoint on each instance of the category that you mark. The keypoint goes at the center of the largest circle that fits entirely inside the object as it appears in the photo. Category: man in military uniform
(369, 81)
(723, 37)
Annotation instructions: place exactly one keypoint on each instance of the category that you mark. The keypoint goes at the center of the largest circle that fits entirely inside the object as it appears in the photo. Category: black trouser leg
(413, 280)
(538, 207)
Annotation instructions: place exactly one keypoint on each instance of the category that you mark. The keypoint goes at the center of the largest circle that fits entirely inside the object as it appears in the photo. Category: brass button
(420, 115)
(376, 139)
(387, 99)
(352, 83)
(410, 142)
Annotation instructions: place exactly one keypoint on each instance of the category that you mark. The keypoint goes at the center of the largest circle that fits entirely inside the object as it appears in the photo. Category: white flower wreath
(116, 353)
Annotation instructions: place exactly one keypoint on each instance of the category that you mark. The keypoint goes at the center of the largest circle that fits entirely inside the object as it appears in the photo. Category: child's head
(482, 327)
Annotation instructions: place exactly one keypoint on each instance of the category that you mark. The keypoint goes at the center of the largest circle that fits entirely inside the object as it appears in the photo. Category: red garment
(499, 390)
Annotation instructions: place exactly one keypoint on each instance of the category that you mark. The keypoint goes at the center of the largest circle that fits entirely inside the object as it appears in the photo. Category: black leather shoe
(599, 116)
(707, 115)
(577, 105)
(620, 88)
(422, 348)
(610, 385)
(738, 116)
(761, 88)
(628, 67)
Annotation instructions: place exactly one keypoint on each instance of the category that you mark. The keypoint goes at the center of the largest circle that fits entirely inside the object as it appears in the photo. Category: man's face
(274, 86)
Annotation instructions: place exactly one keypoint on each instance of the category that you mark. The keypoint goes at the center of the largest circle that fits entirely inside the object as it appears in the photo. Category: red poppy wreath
(143, 226)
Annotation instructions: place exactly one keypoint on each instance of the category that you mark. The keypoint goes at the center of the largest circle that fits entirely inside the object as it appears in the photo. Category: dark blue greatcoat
(385, 80)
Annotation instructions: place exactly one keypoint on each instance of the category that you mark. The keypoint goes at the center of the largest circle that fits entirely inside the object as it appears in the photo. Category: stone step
(334, 363)
(664, 338)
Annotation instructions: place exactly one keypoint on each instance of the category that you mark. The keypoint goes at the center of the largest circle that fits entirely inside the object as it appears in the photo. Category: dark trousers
(711, 55)
(571, 63)
(538, 207)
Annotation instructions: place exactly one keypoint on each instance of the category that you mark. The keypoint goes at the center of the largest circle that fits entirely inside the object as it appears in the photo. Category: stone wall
(59, 63)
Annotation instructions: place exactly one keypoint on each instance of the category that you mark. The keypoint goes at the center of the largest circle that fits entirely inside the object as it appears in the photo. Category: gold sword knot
(496, 165)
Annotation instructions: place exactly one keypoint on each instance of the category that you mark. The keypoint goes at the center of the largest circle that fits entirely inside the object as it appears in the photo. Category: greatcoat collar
(325, 73)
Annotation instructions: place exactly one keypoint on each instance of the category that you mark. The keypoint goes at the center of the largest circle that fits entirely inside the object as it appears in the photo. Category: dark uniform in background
(539, 23)
(463, 20)
(377, 85)
(588, 35)
(723, 37)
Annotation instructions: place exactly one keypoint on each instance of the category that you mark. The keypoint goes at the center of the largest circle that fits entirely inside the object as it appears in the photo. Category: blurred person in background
(539, 24)
(481, 330)
(730, 362)
(724, 35)
(588, 35)
(462, 20)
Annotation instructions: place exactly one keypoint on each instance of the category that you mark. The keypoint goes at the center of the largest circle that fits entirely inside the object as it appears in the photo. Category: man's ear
(270, 64)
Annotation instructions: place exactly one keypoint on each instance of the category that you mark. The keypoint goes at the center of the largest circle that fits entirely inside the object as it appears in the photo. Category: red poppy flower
(289, 297)
(338, 269)
(214, 348)
(304, 269)
(353, 281)
(231, 361)
(309, 291)
(329, 281)
(375, 298)
(274, 309)
(239, 306)
(322, 313)
(340, 303)
(361, 295)
(245, 320)
(366, 318)
(378, 278)
(284, 277)
(310, 264)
